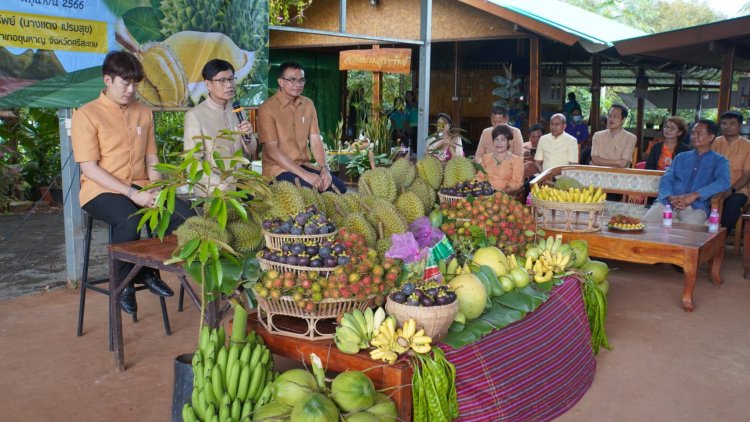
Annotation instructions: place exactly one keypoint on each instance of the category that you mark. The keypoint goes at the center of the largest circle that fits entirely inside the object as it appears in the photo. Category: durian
(200, 228)
(194, 49)
(357, 223)
(349, 203)
(403, 172)
(423, 191)
(459, 169)
(165, 83)
(386, 214)
(430, 169)
(382, 246)
(287, 200)
(247, 236)
(565, 183)
(328, 203)
(410, 206)
(378, 182)
(311, 197)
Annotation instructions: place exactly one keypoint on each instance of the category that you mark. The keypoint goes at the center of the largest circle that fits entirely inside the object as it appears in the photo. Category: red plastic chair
(640, 165)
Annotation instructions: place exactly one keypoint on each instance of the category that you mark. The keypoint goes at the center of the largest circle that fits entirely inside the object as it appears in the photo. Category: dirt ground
(666, 364)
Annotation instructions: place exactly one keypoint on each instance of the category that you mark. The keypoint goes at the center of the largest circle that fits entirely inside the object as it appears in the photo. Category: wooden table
(381, 374)
(684, 245)
(149, 253)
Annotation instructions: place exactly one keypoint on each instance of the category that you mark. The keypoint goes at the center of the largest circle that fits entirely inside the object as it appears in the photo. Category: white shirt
(556, 151)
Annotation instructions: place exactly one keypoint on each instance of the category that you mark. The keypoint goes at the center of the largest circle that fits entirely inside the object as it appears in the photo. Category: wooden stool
(93, 285)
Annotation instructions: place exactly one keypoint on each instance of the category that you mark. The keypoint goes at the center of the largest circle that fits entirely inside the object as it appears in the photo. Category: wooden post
(727, 70)
(535, 109)
(639, 127)
(596, 92)
(676, 94)
(377, 78)
(456, 98)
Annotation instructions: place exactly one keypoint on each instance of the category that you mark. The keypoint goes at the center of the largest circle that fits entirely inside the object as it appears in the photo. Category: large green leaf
(120, 7)
(231, 269)
(69, 90)
(526, 299)
(143, 24)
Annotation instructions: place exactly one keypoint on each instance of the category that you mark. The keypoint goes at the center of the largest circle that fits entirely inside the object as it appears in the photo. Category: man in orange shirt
(286, 123)
(114, 144)
(737, 150)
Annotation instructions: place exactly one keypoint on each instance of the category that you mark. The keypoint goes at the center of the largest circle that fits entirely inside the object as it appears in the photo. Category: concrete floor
(666, 365)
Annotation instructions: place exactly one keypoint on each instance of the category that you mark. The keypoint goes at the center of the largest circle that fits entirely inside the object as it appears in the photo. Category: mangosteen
(286, 226)
(343, 260)
(285, 247)
(398, 297)
(441, 300)
(311, 250)
(324, 251)
(331, 227)
(297, 248)
(431, 292)
(267, 254)
(426, 301)
(267, 224)
(316, 262)
(310, 229)
(296, 230)
(303, 260)
(420, 294)
(281, 259)
(338, 248)
(412, 300)
(329, 261)
(292, 260)
(451, 296)
(323, 229)
(312, 209)
(408, 288)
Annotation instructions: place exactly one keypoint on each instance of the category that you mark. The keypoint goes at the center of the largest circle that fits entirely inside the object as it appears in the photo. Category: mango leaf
(143, 24)
(231, 269)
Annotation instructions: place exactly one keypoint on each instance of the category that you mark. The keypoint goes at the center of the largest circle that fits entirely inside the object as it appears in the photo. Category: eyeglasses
(225, 81)
(294, 81)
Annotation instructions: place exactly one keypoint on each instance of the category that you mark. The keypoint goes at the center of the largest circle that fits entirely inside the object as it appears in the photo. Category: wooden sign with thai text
(390, 60)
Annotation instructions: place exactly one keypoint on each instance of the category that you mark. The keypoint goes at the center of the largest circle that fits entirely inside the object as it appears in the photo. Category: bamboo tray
(275, 241)
(569, 216)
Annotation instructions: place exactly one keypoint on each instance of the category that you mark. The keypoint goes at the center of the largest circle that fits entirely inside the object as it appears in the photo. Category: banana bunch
(449, 268)
(588, 195)
(356, 329)
(228, 383)
(550, 257)
(392, 342)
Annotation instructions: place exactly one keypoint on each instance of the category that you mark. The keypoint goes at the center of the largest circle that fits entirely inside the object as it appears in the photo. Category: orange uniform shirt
(505, 174)
(738, 154)
(118, 138)
(290, 123)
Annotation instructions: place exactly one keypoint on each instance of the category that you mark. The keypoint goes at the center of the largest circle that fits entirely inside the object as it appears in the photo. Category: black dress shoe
(155, 284)
(127, 300)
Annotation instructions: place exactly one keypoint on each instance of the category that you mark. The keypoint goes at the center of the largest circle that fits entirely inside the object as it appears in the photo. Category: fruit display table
(534, 369)
(685, 245)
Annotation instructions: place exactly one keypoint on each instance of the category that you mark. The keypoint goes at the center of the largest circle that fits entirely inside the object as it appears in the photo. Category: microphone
(240, 118)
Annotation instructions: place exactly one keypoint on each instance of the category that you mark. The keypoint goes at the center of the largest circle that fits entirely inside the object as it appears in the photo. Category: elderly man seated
(692, 179)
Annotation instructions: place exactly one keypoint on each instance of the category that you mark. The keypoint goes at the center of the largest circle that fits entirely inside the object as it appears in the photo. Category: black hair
(215, 66)
(500, 110)
(711, 126)
(502, 130)
(123, 64)
(731, 114)
(623, 110)
(445, 117)
(576, 108)
(571, 96)
(537, 126)
(289, 65)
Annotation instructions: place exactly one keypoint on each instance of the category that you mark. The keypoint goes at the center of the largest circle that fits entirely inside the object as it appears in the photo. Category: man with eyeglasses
(212, 116)
(286, 123)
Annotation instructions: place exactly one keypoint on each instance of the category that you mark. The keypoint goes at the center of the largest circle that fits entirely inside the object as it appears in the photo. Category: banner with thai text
(51, 51)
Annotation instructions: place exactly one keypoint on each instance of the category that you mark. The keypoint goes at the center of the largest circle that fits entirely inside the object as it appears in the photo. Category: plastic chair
(640, 165)
(93, 285)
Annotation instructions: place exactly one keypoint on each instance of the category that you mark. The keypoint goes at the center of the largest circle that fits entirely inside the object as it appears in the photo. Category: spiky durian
(328, 203)
(424, 192)
(459, 169)
(410, 206)
(358, 223)
(430, 169)
(287, 200)
(403, 172)
(310, 197)
(386, 214)
(382, 246)
(247, 236)
(200, 228)
(378, 182)
(565, 183)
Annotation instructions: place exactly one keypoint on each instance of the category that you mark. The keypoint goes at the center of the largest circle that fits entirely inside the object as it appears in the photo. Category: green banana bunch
(356, 329)
(448, 268)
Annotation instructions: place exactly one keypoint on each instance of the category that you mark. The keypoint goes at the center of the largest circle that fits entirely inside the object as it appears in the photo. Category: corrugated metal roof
(596, 32)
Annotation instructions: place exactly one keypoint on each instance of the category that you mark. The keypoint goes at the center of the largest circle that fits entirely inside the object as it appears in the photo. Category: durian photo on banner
(51, 51)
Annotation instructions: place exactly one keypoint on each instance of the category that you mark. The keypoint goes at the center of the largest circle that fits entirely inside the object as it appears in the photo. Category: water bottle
(713, 221)
(528, 200)
(667, 216)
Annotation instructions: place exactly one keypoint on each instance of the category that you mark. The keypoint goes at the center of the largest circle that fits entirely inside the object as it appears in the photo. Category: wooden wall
(451, 21)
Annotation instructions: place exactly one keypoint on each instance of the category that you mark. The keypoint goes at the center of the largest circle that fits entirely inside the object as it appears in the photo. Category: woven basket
(448, 199)
(274, 241)
(569, 216)
(326, 309)
(267, 265)
(434, 319)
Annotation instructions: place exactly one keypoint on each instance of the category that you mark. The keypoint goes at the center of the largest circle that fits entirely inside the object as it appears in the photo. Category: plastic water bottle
(528, 200)
(667, 216)
(713, 221)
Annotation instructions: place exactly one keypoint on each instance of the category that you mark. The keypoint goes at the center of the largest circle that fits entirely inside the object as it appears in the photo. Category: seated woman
(446, 143)
(504, 170)
(662, 153)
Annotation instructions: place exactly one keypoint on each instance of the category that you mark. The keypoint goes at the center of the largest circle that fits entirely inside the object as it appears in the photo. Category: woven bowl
(434, 319)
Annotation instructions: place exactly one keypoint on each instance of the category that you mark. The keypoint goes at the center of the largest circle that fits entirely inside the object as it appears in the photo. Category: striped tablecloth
(532, 370)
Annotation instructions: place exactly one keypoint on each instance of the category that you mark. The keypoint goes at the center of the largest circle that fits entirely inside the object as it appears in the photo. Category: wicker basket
(267, 265)
(327, 309)
(569, 216)
(274, 241)
(448, 199)
(434, 319)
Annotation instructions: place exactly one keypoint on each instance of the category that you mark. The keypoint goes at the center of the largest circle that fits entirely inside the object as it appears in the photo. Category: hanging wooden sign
(389, 60)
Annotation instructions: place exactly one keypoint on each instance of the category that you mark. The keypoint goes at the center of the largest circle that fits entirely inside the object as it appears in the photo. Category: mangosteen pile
(308, 222)
(469, 188)
(428, 294)
(327, 254)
